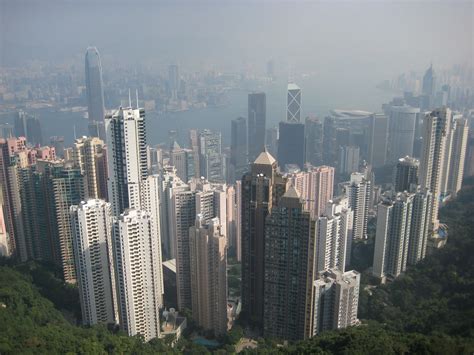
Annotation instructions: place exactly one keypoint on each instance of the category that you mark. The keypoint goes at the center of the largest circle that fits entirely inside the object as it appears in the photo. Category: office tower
(139, 285)
(91, 223)
(314, 141)
(261, 189)
(271, 140)
(293, 103)
(173, 81)
(378, 140)
(336, 298)
(458, 156)
(231, 212)
(94, 90)
(348, 159)
(329, 141)
(429, 82)
(212, 161)
(405, 176)
(68, 189)
(357, 191)
(256, 124)
(403, 223)
(97, 129)
(334, 236)
(208, 261)
(238, 148)
(289, 270)
(401, 131)
(126, 157)
(29, 127)
(315, 187)
(6, 130)
(435, 127)
(89, 155)
(57, 142)
(183, 160)
(194, 144)
(291, 144)
(469, 162)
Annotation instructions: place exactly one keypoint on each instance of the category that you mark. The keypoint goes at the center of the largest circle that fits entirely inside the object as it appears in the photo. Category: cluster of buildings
(142, 230)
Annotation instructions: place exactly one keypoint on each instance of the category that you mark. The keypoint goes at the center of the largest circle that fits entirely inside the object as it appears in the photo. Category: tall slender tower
(94, 90)
(91, 223)
(405, 177)
(257, 115)
(126, 157)
(358, 193)
(208, 261)
(238, 148)
(435, 128)
(293, 103)
(289, 270)
(139, 283)
(261, 189)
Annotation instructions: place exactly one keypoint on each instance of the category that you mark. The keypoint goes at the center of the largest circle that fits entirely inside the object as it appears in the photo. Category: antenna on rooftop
(129, 99)
(137, 96)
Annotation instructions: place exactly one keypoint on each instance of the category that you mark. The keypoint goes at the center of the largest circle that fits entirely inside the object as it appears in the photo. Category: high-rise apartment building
(94, 89)
(139, 284)
(257, 108)
(89, 155)
(334, 236)
(405, 176)
(183, 160)
(91, 223)
(358, 191)
(403, 222)
(261, 188)
(208, 266)
(293, 103)
(315, 187)
(379, 138)
(126, 157)
(289, 270)
(436, 125)
(336, 298)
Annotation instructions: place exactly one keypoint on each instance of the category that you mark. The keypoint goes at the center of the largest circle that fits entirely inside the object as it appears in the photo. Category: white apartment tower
(139, 282)
(336, 298)
(126, 157)
(333, 236)
(91, 223)
(358, 192)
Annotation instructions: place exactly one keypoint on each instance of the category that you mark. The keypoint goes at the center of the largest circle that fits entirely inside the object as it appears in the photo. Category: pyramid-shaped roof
(265, 158)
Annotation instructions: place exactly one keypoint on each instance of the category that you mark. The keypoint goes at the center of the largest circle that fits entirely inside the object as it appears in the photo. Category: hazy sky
(378, 38)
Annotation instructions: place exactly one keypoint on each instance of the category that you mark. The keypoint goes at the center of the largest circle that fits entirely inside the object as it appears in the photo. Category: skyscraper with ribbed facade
(94, 89)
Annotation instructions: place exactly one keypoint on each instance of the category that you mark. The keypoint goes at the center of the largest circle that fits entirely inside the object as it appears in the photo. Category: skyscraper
(401, 131)
(456, 170)
(291, 144)
(289, 270)
(29, 127)
(208, 265)
(333, 236)
(293, 103)
(436, 125)
(238, 148)
(89, 155)
(271, 140)
(126, 157)
(314, 141)
(139, 283)
(94, 90)
(183, 160)
(173, 81)
(405, 177)
(212, 161)
(261, 188)
(348, 159)
(336, 298)
(315, 186)
(91, 223)
(429, 82)
(256, 124)
(403, 222)
(378, 140)
(358, 192)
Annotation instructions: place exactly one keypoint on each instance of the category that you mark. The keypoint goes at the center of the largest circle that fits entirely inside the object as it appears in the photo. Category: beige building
(208, 261)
